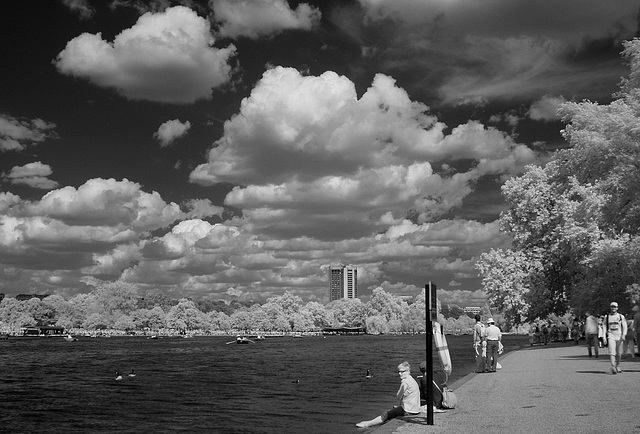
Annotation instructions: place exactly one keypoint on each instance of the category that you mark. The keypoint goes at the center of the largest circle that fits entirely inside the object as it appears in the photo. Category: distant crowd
(543, 332)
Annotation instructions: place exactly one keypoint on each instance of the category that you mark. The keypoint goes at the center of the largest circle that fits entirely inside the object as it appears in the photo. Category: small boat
(241, 340)
(70, 338)
(260, 338)
(297, 335)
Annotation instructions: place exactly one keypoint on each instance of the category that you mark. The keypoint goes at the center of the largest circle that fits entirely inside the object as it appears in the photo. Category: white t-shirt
(617, 325)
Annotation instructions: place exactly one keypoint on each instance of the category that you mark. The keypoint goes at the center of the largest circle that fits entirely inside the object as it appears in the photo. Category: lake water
(203, 385)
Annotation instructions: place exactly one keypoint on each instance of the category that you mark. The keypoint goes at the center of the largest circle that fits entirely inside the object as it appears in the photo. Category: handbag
(449, 399)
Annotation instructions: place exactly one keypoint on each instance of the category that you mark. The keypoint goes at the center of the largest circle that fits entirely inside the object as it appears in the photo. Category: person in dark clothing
(422, 383)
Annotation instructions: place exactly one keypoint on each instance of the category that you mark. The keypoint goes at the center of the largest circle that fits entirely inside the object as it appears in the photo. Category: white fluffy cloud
(16, 134)
(165, 57)
(34, 174)
(260, 18)
(97, 228)
(196, 257)
(170, 131)
(545, 109)
(315, 160)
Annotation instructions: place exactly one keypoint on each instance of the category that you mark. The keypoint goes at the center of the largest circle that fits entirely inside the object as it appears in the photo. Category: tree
(152, 319)
(506, 279)
(376, 325)
(349, 312)
(242, 320)
(115, 299)
(185, 316)
(386, 304)
(219, 321)
(321, 317)
(153, 298)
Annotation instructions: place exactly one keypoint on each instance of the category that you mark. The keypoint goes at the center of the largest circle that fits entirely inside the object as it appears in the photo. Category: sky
(235, 149)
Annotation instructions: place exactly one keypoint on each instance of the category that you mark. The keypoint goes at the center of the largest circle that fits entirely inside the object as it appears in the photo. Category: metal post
(431, 311)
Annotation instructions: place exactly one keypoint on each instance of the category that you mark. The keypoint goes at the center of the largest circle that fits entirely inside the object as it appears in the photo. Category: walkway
(548, 389)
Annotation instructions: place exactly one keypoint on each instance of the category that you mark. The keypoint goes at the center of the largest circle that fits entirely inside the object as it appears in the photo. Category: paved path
(549, 389)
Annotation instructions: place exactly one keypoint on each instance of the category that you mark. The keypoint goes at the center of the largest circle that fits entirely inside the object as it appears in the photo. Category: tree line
(117, 306)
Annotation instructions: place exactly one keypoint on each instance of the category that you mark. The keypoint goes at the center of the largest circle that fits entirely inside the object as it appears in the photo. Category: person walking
(545, 333)
(636, 323)
(615, 331)
(493, 336)
(629, 340)
(480, 345)
(601, 331)
(575, 331)
(591, 333)
(408, 396)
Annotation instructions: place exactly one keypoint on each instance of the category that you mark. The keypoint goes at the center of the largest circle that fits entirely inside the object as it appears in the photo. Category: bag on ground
(449, 399)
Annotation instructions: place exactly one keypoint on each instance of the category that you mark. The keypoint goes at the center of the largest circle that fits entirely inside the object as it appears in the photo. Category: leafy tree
(302, 321)
(242, 320)
(320, 316)
(153, 298)
(152, 319)
(185, 316)
(115, 299)
(277, 319)
(376, 325)
(219, 321)
(349, 312)
(386, 304)
(506, 279)
(414, 320)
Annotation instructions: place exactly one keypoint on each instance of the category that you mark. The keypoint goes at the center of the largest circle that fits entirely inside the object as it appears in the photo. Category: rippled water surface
(198, 385)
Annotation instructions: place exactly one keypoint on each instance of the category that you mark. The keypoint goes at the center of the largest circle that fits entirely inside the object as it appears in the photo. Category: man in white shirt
(493, 336)
(615, 326)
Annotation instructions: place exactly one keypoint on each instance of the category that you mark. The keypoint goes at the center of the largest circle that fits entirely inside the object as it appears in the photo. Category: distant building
(343, 282)
(474, 310)
(25, 297)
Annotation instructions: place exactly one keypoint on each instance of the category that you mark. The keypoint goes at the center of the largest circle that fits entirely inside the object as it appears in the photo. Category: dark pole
(432, 310)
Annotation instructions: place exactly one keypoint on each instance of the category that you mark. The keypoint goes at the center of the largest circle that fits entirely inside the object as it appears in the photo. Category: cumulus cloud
(165, 57)
(201, 208)
(198, 257)
(170, 131)
(16, 134)
(102, 230)
(463, 298)
(546, 108)
(34, 174)
(308, 149)
(117, 204)
(260, 18)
